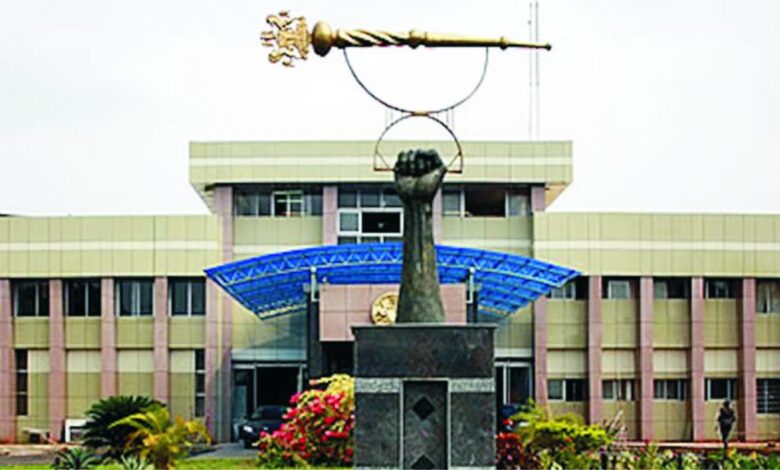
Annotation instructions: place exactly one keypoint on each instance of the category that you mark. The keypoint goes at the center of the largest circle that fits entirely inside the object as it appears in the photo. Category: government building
(665, 315)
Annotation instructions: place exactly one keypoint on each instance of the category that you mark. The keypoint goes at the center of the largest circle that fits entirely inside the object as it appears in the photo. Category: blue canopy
(273, 285)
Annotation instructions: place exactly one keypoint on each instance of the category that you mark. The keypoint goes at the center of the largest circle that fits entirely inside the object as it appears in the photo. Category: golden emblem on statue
(384, 310)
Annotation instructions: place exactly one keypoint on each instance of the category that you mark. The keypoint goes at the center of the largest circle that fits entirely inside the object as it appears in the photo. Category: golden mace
(291, 39)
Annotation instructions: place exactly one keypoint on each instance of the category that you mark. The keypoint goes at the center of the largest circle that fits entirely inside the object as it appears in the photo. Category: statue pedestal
(424, 396)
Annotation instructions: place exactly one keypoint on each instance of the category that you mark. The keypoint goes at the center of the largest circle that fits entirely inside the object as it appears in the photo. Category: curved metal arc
(458, 154)
(410, 111)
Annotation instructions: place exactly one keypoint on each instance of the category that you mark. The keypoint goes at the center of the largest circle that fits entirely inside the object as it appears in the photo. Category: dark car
(267, 418)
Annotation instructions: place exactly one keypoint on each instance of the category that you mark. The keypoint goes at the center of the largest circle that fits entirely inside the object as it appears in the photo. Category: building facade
(673, 313)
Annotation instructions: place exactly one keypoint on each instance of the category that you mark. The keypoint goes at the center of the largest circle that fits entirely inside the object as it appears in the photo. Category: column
(7, 366)
(594, 349)
(224, 208)
(107, 339)
(645, 408)
(161, 356)
(212, 354)
(538, 202)
(698, 419)
(57, 361)
(540, 351)
(330, 215)
(746, 412)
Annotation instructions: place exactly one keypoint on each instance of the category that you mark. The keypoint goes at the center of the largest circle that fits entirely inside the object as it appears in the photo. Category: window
(567, 389)
(368, 215)
(674, 389)
(576, 289)
(133, 297)
(767, 296)
(485, 201)
(618, 390)
(720, 288)
(768, 396)
(31, 298)
(22, 384)
(187, 296)
(618, 289)
(82, 297)
(720, 389)
(271, 202)
(200, 382)
(671, 288)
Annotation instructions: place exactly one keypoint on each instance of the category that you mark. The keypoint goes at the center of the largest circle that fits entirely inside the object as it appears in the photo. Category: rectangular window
(567, 389)
(187, 296)
(133, 297)
(720, 389)
(576, 289)
(288, 203)
(618, 289)
(452, 202)
(269, 202)
(768, 396)
(671, 288)
(31, 298)
(22, 382)
(767, 296)
(674, 389)
(518, 203)
(484, 202)
(200, 382)
(618, 390)
(720, 288)
(369, 215)
(82, 297)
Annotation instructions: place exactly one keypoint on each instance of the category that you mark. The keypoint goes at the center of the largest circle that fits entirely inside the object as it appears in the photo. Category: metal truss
(273, 285)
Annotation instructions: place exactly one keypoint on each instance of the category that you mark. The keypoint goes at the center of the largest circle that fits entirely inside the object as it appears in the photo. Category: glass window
(200, 382)
(390, 198)
(82, 297)
(133, 297)
(670, 389)
(555, 389)
(618, 289)
(768, 396)
(671, 288)
(314, 203)
(484, 202)
(369, 215)
(720, 389)
(369, 197)
(187, 296)
(349, 222)
(288, 203)
(767, 296)
(519, 204)
(618, 390)
(31, 298)
(381, 222)
(22, 388)
(347, 198)
(720, 288)
(246, 203)
(568, 291)
(451, 200)
(347, 240)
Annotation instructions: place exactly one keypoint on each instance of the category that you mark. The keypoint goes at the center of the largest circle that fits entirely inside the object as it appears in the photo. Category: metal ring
(458, 155)
(409, 111)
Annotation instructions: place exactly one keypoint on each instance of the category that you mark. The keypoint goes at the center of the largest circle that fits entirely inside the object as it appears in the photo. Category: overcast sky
(672, 105)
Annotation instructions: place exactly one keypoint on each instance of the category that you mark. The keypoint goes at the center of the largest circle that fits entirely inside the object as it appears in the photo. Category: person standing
(724, 421)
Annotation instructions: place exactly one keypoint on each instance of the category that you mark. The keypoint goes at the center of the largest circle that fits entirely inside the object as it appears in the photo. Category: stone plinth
(425, 396)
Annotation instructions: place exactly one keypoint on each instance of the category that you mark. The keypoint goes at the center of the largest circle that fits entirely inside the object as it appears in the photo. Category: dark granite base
(425, 396)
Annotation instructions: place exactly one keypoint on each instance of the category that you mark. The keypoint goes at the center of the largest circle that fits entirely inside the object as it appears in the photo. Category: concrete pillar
(330, 215)
(161, 356)
(746, 412)
(538, 202)
(7, 366)
(594, 348)
(211, 355)
(540, 351)
(107, 339)
(645, 356)
(698, 419)
(224, 209)
(57, 361)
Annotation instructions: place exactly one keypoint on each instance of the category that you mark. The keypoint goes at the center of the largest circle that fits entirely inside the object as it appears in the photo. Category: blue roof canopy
(273, 285)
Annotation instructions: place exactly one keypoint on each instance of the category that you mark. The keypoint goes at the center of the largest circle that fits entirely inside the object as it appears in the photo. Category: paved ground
(228, 451)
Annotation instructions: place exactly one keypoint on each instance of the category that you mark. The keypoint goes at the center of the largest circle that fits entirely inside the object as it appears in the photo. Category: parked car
(266, 418)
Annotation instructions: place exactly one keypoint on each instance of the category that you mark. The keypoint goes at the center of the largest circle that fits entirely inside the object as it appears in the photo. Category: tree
(98, 430)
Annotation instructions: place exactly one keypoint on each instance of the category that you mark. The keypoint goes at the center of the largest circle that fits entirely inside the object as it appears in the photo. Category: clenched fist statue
(418, 177)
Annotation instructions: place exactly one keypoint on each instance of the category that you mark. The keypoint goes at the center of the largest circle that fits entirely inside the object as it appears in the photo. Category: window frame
(732, 388)
(41, 299)
(711, 288)
(680, 387)
(567, 387)
(85, 312)
(22, 394)
(290, 197)
(620, 389)
(610, 288)
(136, 293)
(388, 202)
(200, 383)
(763, 388)
(767, 296)
(188, 281)
(681, 283)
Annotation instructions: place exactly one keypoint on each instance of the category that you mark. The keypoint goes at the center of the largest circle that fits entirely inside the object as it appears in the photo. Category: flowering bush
(317, 428)
(510, 453)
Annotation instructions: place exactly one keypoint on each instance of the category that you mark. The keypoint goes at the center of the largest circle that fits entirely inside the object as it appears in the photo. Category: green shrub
(75, 458)
(98, 431)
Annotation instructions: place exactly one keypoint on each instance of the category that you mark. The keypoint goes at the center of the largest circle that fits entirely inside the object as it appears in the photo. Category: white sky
(671, 105)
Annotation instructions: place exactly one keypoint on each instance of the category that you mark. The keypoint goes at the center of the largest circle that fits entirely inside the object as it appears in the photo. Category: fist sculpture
(418, 177)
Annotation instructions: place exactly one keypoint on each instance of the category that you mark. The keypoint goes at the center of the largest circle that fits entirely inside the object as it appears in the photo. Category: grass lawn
(199, 464)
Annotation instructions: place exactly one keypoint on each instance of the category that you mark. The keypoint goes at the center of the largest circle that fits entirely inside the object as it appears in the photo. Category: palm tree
(158, 439)
(106, 412)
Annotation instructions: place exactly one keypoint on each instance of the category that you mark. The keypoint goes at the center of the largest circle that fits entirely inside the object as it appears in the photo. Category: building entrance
(258, 384)
(513, 387)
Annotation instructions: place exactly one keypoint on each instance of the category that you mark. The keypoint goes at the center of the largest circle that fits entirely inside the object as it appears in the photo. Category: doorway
(513, 388)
